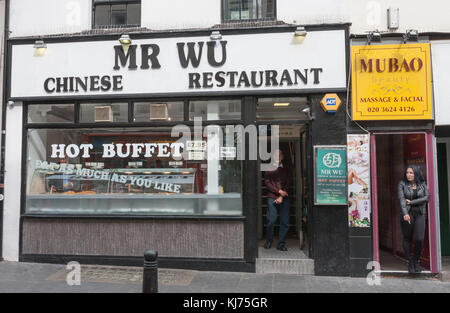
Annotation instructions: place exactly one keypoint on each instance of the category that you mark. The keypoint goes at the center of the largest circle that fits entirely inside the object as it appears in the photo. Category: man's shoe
(281, 248)
(417, 268)
(267, 245)
(411, 269)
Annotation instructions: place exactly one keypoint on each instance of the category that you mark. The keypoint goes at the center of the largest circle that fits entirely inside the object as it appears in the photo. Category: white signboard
(236, 63)
(441, 80)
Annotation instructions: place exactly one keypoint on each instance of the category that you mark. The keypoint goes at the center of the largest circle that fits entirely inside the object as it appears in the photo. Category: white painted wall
(180, 14)
(46, 17)
(313, 12)
(440, 54)
(13, 160)
(424, 16)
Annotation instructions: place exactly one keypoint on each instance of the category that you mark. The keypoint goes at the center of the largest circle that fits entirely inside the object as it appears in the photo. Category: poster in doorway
(358, 158)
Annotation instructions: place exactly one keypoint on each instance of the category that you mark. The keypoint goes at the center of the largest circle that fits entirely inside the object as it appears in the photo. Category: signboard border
(426, 115)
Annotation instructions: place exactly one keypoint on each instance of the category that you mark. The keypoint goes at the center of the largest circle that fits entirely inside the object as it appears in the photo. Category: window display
(134, 171)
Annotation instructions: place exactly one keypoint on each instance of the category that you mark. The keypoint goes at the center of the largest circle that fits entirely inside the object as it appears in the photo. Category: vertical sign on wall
(358, 158)
(330, 175)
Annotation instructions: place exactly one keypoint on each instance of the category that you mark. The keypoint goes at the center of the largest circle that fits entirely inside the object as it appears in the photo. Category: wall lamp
(300, 32)
(373, 36)
(216, 35)
(125, 41)
(411, 35)
(40, 47)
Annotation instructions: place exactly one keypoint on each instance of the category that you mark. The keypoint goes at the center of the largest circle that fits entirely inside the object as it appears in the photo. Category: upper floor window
(117, 13)
(241, 10)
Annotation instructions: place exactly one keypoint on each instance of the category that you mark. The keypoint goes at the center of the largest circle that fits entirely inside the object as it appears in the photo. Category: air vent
(103, 114)
(158, 111)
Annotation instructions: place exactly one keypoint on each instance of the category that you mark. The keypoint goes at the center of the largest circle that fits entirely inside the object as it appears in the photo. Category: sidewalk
(35, 278)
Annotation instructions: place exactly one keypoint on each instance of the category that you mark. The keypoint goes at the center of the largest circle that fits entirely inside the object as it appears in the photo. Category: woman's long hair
(418, 177)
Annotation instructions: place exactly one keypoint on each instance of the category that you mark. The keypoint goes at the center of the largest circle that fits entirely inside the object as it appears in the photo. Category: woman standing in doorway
(414, 196)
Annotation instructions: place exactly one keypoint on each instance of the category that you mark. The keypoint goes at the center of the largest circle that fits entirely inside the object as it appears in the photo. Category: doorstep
(293, 261)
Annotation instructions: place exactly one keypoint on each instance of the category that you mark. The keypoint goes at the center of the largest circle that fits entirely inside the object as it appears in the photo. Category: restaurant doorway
(294, 151)
(391, 154)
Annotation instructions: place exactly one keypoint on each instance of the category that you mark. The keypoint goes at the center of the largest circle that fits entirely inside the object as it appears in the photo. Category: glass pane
(51, 113)
(281, 108)
(267, 9)
(119, 14)
(103, 112)
(102, 14)
(167, 111)
(249, 9)
(134, 14)
(132, 171)
(233, 9)
(214, 110)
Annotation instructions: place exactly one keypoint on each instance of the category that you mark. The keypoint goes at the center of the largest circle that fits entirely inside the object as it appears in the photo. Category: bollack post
(150, 279)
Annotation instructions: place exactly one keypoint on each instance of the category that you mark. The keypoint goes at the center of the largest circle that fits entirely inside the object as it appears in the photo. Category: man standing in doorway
(277, 182)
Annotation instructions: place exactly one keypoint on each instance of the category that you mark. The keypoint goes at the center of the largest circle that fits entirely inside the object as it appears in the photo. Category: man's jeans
(272, 210)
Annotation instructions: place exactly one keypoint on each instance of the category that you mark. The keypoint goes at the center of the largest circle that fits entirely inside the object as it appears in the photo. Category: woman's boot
(417, 268)
(411, 267)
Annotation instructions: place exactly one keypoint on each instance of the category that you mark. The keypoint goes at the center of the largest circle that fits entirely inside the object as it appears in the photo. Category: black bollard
(150, 279)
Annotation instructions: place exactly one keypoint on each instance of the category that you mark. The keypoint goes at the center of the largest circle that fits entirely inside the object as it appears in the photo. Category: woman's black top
(415, 208)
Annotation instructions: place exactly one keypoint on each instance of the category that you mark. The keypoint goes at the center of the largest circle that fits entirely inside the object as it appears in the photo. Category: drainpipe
(3, 119)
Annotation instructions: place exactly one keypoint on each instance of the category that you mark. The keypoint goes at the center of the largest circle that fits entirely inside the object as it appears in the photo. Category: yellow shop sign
(391, 82)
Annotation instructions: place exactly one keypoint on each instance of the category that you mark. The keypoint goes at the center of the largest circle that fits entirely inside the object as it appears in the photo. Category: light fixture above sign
(373, 36)
(40, 47)
(215, 35)
(411, 35)
(300, 32)
(281, 104)
(125, 41)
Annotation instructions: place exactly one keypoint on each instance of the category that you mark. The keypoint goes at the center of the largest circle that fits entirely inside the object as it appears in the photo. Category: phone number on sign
(391, 109)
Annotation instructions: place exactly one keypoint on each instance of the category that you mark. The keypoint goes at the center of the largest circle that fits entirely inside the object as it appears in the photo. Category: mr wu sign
(330, 175)
(391, 82)
(236, 63)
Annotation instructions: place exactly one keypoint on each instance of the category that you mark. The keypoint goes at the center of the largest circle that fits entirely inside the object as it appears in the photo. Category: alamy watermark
(73, 277)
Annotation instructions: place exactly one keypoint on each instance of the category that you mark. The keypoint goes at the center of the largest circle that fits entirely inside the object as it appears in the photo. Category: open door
(391, 153)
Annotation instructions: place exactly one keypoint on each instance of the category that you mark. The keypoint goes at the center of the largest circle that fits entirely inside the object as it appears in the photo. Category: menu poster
(358, 164)
(330, 175)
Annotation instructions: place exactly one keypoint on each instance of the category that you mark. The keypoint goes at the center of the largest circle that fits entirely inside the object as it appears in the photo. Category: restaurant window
(103, 112)
(282, 108)
(117, 13)
(241, 10)
(51, 113)
(158, 111)
(132, 171)
(213, 110)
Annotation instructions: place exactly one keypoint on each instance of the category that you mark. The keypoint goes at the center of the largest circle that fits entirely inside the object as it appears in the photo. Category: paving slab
(51, 278)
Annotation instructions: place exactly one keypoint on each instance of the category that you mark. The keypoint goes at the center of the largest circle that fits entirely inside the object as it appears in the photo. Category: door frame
(433, 214)
(445, 140)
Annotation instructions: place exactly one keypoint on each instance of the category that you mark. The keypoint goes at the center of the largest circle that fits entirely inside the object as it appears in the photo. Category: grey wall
(171, 238)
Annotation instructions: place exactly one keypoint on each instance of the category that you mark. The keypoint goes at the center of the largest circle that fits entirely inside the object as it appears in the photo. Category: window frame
(110, 3)
(224, 11)
(130, 125)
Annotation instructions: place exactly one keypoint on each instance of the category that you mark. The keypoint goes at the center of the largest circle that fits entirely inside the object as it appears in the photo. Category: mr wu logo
(332, 160)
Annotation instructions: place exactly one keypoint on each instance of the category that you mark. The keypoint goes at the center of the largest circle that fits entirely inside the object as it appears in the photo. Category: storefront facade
(392, 117)
(441, 64)
(115, 148)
